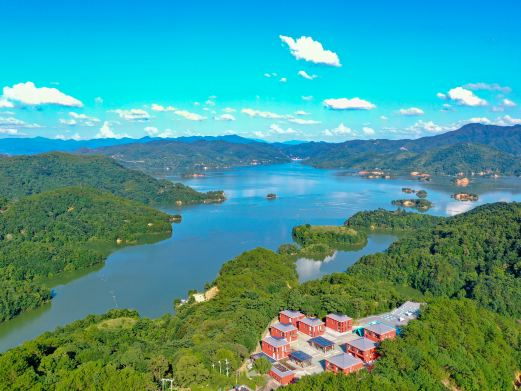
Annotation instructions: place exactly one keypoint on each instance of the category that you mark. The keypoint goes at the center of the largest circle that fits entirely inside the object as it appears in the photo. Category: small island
(463, 182)
(408, 190)
(421, 194)
(419, 204)
(271, 196)
(465, 197)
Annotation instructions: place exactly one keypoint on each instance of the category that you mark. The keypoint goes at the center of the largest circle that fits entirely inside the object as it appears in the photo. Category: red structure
(378, 332)
(311, 326)
(343, 363)
(339, 322)
(289, 316)
(284, 330)
(276, 348)
(282, 374)
(363, 348)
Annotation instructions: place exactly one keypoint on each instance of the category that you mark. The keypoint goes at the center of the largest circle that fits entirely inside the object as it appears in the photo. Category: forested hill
(62, 230)
(476, 255)
(457, 343)
(473, 148)
(161, 157)
(25, 175)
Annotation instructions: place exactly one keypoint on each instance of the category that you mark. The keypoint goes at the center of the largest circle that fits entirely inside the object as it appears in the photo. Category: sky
(270, 70)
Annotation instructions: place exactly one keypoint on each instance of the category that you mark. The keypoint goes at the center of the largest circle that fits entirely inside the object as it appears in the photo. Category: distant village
(297, 345)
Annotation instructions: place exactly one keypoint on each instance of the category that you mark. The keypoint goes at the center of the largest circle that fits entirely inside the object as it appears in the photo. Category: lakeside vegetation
(318, 241)
(458, 340)
(63, 230)
(25, 175)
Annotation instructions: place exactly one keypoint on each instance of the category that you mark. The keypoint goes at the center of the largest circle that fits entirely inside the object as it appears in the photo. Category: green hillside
(170, 156)
(25, 175)
(461, 341)
(62, 230)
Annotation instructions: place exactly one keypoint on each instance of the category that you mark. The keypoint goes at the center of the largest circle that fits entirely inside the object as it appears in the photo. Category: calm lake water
(148, 278)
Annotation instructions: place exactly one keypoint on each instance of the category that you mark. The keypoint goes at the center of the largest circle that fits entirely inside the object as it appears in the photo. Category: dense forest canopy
(25, 175)
(62, 230)
(459, 343)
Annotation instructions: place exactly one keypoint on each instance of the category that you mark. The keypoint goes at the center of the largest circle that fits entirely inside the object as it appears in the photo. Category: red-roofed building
(289, 316)
(363, 348)
(343, 363)
(284, 330)
(277, 348)
(282, 374)
(311, 326)
(377, 332)
(338, 322)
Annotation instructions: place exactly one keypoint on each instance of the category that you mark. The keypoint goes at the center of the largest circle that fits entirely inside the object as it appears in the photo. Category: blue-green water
(149, 277)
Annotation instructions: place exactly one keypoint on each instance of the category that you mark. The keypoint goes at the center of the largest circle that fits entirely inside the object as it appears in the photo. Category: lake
(148, 277)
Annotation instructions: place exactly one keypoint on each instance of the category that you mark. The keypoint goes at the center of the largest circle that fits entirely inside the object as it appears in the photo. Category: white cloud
(368, 131)
(428, 126)
(480, 120)
(301, 112)
(348, 104)
(225, 117)
(13, 122)
(383, 118)
(306, 75)
(98, 100)
(157, 107)
(488, 87)
(307, 97)
(274, 128)
(4, 103)
(67, 121)
(261, 114)
(411, 111)
(507, 120)
(305, 48)
(133, 114)
(107, 132)
(28, 94)
(465, 97)
(189, 115)
(9, 131)
(75, 136)
(441, 95)
(283, 80)
(340, 130)
(302, 121)
(229, 110)
(152, 131)
(508, 103)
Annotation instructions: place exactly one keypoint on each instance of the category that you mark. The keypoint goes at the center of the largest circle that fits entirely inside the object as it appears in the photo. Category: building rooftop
(276, 341)
(322, 342)
(339, 317)
(285, 327)
(281, 370)
(379, 328)
(312, 321)
(291, 313)
(362, 344)
(299, 355)
(344, 360)
(256, 356)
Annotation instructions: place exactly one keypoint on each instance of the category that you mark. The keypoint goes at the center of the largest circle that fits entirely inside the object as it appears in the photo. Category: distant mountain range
(472, 148)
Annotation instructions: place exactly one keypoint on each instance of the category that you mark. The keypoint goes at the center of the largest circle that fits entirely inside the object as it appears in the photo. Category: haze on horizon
(266, 70)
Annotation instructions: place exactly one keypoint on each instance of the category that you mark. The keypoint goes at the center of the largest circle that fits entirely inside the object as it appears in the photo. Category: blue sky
(166, 68)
